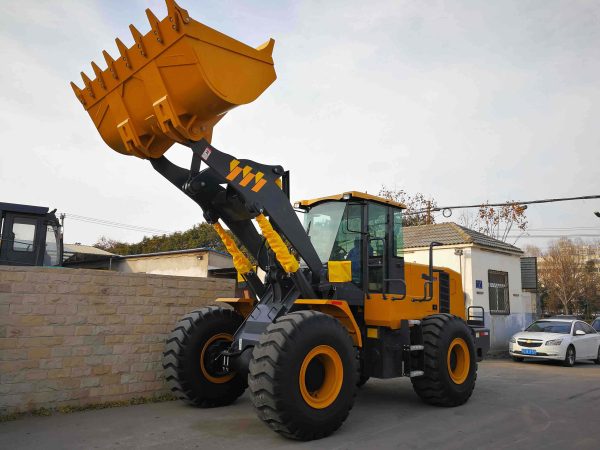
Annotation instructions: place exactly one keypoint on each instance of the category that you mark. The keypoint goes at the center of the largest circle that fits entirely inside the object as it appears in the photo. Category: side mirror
(579, 333)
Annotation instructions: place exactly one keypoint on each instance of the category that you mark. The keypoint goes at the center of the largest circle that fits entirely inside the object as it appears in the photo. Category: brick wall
(74, 336)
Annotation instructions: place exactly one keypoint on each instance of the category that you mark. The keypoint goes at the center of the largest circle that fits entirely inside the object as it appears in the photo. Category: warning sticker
(206, 153)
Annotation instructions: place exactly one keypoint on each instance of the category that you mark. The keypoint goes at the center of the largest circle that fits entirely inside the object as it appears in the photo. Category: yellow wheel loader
(338, 303)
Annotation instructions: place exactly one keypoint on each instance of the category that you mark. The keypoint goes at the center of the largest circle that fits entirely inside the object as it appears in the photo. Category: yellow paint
(286, 259)
(339, 271)
(351, 194)
(333, 377)
(389, 313)
(173, 85)
(373, 333)
(338, 309)
(240, 262)
(458, 360)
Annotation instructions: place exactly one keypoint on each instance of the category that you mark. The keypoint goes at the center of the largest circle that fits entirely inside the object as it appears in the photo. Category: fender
(338, 309)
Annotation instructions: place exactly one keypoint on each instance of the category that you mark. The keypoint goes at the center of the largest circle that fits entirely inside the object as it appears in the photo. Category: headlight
(554, 342)
(512, 340)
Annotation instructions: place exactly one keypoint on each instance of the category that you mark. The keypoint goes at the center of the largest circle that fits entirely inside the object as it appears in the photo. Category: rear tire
(303, 375)
(450, 364)
(518, 359)
(570, 357)
(189, 354)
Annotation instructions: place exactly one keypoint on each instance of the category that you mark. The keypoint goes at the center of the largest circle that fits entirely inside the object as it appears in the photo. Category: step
(416, 373)
(412, 323)
(416, 348)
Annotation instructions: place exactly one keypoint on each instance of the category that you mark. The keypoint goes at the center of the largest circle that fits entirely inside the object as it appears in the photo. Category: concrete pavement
(515, 405)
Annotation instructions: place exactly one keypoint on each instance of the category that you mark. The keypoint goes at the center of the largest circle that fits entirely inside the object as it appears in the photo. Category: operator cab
(364, 230)
(29, 236)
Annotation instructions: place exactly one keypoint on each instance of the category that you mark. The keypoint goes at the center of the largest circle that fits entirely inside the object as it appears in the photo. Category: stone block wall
(70, 337)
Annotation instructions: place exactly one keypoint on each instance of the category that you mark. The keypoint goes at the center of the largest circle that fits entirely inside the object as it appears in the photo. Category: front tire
(518, 359)
(192, 371)
(570, 357)
(597, 360)
(303, 375)
(450, 364)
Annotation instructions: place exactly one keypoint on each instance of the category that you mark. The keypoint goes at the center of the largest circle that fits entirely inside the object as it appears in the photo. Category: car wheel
(569, 357)
(597, 360)
(518, 358)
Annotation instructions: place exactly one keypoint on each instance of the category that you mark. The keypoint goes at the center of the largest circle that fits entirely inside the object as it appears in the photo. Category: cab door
(20, 240)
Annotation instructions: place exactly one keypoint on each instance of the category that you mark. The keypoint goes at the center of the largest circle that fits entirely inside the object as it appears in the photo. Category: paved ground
(515, 405)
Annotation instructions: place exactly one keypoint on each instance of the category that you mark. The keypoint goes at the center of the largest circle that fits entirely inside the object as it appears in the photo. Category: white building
(197, 262)
(490, 270)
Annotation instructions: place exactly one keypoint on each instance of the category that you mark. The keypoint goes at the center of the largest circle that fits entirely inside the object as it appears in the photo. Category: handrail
(428, 296)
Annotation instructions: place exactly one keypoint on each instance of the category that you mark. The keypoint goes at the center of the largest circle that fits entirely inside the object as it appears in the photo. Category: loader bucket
(173, 85)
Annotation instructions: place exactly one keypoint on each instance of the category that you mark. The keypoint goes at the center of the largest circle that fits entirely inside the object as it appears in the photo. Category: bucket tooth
(177, 15)
(78, 93)
(137, 37)
(110, 62)
(99, 75)
(88, 84)
(123, 51)
(267, 47)
(154, 25)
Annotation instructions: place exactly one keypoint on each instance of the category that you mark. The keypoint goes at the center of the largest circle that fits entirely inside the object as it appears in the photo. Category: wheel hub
(321, 377)
(210, 361)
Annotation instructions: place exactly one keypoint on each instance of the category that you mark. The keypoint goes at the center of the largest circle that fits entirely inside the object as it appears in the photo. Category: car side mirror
(579, 333)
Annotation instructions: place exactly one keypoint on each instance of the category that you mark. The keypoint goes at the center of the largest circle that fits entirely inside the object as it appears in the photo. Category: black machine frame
(38, 216)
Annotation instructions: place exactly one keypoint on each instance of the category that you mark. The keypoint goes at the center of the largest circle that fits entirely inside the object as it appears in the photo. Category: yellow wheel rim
(320, 391)
(215, 379)
(459, 360)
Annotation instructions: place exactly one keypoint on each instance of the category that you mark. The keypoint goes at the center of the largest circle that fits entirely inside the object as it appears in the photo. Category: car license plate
(528, 351)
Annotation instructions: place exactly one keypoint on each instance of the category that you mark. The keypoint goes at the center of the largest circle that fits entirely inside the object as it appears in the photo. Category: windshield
(596, 324)
(550, 326)
(334, 230)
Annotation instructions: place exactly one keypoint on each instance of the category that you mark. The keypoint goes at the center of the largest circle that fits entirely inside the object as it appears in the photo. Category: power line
(551, 236)
(528, 202)
(109, 223)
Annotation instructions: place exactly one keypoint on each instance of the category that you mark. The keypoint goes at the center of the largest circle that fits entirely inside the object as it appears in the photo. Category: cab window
(398, 236)
(51, 252)
(23, 235)
(376, 227)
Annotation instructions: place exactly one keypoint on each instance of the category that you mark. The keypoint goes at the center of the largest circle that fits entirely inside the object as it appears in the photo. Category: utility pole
(428, 221)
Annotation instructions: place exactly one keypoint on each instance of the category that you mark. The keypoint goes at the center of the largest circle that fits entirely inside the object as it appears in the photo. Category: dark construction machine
(29, 236)
(339, 307)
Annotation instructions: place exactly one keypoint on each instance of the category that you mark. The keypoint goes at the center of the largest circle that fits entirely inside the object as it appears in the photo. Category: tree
(201, 235)
(418, 207)
(563, 275)
(497, 222)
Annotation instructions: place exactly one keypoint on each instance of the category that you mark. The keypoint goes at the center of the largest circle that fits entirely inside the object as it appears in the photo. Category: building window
(499, 295)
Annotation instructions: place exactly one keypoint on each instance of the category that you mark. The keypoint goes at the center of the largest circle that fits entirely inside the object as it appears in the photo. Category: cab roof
(347, 196)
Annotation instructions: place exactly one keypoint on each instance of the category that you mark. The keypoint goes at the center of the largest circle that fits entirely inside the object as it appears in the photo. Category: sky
(464, 101)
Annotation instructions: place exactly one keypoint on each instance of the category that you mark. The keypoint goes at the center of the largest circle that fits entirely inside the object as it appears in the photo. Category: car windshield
(596, 324)
(550, 326)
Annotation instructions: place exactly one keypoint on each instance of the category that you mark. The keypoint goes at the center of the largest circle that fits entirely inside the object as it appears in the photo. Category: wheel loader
(337, 304)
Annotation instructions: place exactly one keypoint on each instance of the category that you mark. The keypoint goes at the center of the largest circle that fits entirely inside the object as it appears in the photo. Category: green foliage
(201, 235)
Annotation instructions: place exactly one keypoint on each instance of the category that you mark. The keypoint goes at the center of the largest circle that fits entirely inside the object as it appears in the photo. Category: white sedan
(559, 339)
